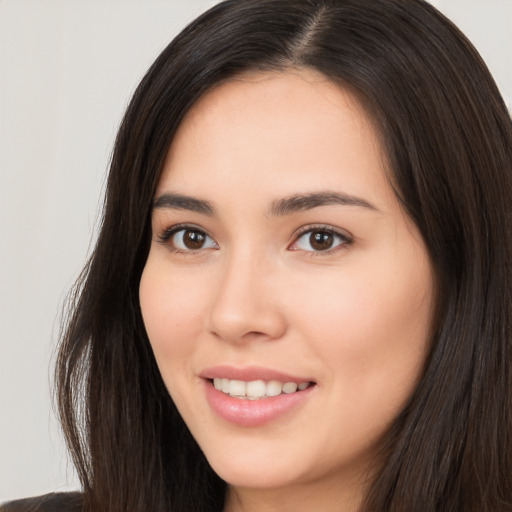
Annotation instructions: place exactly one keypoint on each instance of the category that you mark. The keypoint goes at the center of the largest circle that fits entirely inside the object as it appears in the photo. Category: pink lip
(252, 413)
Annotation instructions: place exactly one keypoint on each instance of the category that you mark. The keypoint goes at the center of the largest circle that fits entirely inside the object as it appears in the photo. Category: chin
(256, 464)
(248, 475)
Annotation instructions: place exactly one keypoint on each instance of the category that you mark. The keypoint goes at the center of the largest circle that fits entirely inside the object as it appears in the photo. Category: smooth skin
(339, 292)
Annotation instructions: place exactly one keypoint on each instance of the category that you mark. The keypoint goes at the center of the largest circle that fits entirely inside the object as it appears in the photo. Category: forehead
(270, 88)
(296, 125)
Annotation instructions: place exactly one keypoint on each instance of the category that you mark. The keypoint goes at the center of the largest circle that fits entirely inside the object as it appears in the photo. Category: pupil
(193, 239)
(321, 241)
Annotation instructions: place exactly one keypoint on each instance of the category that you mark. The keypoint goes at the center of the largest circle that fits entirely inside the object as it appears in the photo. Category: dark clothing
(53, 502)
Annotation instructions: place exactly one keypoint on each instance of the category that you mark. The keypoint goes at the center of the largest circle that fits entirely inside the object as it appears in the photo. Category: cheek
(360, 311)
(371, 326)
(173, 312)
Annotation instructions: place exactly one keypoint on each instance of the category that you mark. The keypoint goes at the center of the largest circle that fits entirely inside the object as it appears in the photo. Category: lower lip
(252, 413)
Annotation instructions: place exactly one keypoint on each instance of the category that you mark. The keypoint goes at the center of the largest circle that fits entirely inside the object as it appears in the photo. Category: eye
(320, 240)
(187, 239)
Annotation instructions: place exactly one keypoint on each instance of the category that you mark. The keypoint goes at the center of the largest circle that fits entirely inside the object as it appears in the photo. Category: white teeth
(274, 388)
(289, 387)
(257, 389)
(237, 388)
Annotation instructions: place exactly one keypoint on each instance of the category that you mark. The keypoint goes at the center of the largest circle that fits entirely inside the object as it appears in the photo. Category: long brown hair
(448, 138)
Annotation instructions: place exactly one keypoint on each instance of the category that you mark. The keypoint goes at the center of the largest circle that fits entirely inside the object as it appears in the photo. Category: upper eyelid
(165, 234)
(323, 227)
(174, 228)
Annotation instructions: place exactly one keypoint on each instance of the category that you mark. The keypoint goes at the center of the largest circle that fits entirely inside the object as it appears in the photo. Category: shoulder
(53, 502)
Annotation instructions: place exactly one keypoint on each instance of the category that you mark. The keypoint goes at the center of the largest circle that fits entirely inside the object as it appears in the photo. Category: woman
(300, 298)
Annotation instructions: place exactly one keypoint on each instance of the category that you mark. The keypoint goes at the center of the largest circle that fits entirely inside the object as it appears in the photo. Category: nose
(246, 304)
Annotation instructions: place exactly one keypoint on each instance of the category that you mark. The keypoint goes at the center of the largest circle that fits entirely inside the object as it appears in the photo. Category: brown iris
(321, 240)
(193, 240)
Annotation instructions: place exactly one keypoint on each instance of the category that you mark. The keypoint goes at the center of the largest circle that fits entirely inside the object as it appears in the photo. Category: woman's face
(282, 259)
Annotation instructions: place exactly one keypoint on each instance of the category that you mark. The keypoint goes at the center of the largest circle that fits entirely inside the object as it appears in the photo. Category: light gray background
(67, 70)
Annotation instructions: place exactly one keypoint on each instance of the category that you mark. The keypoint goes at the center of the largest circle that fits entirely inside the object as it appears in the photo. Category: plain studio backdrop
(67, 70)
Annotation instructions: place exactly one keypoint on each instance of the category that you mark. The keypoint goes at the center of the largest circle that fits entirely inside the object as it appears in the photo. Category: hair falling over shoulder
(448, 138)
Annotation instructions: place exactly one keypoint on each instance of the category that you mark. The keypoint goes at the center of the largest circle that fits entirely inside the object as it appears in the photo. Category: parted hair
(447, 136)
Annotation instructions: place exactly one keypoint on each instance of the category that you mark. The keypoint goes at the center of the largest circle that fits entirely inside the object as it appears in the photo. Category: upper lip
(250, 373)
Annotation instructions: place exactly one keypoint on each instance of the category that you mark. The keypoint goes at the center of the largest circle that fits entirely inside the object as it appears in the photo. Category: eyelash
(343, 238)
(165, 237)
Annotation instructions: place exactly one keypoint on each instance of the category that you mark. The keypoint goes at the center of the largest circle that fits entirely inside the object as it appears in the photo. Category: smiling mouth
(258, 389)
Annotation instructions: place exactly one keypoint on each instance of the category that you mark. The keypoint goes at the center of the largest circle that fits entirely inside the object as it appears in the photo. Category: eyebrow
(182, 202)
(302, 202)
(280, 207)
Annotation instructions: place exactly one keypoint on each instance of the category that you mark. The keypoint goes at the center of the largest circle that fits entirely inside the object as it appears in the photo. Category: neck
(331, 496)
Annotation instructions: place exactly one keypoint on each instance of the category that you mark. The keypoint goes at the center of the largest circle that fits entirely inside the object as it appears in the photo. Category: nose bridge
(245, 304)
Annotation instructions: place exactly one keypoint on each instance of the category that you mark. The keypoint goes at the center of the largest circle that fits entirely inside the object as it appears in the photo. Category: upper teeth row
(256, 388)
